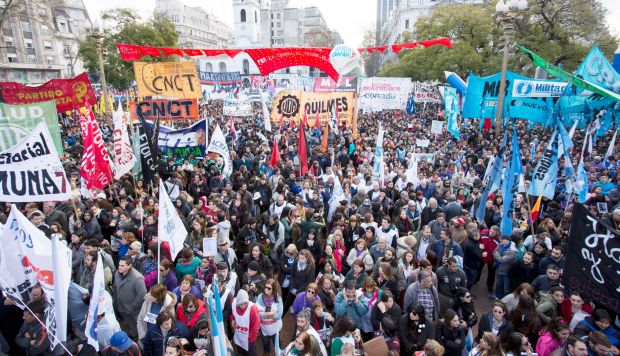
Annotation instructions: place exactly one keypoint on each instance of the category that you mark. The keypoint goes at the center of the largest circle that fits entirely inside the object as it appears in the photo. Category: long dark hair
(417, 309)
(525, 313)
(342, 326)
(513, 344)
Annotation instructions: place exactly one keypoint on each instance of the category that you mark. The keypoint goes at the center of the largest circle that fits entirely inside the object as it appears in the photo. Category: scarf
(301, 266)
(268, 300)
(501, 251)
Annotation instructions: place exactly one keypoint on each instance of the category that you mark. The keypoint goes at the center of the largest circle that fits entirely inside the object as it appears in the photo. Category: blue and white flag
(219, 342)
(491, 183)
(97, 300)
(184, 142)
(378, 172)
(581, 183)
(546, 171)
(510, 185)
(451, 111)
(411, 105)
(170, 227)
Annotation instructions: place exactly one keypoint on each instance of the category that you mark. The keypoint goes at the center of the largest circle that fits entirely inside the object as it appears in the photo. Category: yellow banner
(294, 103)
(170, 79)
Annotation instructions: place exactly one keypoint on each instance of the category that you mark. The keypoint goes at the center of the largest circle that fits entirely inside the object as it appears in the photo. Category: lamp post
(98, 35)
(506, 13)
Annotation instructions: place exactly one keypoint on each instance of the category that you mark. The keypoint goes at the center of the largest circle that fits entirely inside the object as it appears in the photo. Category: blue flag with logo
(411, 105)
(546, 171)
(492, 179)
(451, 110)
(510, 185)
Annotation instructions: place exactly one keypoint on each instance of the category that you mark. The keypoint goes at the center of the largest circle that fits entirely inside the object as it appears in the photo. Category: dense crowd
(394, 261)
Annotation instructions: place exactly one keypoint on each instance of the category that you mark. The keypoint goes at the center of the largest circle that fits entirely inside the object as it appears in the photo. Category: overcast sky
(349, 17)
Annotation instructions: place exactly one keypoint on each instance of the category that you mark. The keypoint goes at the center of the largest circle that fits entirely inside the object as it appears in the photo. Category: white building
(197, 28)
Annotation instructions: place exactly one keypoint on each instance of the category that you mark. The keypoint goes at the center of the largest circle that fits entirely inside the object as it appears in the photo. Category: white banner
(31, 170)
(537, 88)
(218, 145)
(437, 127)
(28, 257)
(426, 93)
(124, 158)
(170, 228)
(237, 107)
(376, 94)
(422, 143)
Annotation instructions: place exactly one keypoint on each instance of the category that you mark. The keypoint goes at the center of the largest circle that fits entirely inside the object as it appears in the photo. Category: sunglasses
(268, 288)
(312, 291)
(467, 296)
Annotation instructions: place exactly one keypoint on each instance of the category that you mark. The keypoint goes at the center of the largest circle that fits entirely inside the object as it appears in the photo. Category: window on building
(31, 58)
(277, 24)
(7, 32)
(9, 41)
(246, 66)
(209, 67)
(66, 49)
(272, 16)
(278, 16)
(255, 17)
(29, 43)
(242, 15)
(406, 24)
(53, 75)
(50, 60)
(36, 74)
(222, 67)
(15, 74)
(62, 24)
(12, 57)
(26, 26)
(45, 30)
(47, 45)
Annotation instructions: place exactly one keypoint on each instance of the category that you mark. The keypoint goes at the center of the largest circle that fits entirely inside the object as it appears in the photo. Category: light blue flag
(219, 318)
(565, 143)
(532, 152)
(492, 179)
(451, 110)
(581, 184)
(546, 171)
(606, 123)
(510, 185)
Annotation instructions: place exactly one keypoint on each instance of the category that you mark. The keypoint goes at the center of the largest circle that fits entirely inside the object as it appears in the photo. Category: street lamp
(98, 35)
(506, 13)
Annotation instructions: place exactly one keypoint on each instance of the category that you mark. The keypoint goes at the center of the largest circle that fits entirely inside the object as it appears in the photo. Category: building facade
(40, 40)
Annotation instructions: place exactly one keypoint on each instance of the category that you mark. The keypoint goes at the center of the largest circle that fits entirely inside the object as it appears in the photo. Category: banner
(29, 257)
(169, 226)
(437, 127)
(95, 168)
(306, 83)
(269, 60)
(218, 145)
(327, 84)
(592, 260)
(176, 109)
(287, 81)
(292, 105)
(68, 94)
(510, 185)
(237, 107)
(221, 78)
(31, 170)
(376, 94)
(545, 173)
(182, 143)
(18, 121)
(124, 158)
(482, 95)
(170, 79)
(451, 110)
(149, 158)
(537, 88)
(426, 93)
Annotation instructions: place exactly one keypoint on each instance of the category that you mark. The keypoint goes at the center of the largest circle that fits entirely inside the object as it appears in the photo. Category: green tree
(159, 31)
(562, 31)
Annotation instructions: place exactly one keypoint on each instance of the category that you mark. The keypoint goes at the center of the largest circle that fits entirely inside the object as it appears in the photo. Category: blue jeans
(502, 285)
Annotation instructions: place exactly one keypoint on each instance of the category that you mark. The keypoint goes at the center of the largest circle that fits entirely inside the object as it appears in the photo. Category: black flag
(149, 154)
(593, 259)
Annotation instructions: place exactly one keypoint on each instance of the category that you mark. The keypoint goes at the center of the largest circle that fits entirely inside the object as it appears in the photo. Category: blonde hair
(433, 348)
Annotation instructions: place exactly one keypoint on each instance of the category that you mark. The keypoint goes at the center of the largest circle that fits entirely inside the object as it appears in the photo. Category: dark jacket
(412, 337)
(453, 340)
(519, 272)
(154, 340)
(376, 315)
(266, 266)
(485, 325)
(41, 340)
(301, 279)
(360, 279)
(473, 255)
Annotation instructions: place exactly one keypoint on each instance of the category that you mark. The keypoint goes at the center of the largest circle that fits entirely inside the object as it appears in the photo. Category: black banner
(593, 260)
(149, 154)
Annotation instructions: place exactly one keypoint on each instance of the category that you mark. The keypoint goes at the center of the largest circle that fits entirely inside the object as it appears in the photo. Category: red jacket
(191, 322)
(489, 246)
(254, 322)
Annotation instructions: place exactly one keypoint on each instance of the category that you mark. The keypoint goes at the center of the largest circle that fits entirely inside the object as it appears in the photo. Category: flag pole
(16, 296)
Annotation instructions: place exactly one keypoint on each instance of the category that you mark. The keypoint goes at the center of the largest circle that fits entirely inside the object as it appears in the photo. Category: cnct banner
(181, 109)
(69, 94)
(170, 79)
(293, 104)
(378, 94)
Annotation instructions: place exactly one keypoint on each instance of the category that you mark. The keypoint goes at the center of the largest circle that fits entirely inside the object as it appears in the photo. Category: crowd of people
(395, 261)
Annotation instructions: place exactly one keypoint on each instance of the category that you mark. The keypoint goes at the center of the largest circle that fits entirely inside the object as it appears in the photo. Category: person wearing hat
(121, 344)
(248, 235)
(245, 320)
(253, 280)
(504, 254)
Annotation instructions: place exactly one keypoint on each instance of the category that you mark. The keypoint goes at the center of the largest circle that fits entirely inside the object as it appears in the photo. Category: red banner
(69, 94)
(269, 60)
(95, 169)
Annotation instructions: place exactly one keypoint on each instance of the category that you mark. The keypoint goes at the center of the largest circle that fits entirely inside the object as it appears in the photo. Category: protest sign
(292, 105)
(18, 121)
(27, 258)
(426, 93)
(422, 143)
(327, 84)
(170, 79)
(376, 94)
(68, 94)
(222, 78)
(592, 259)
(218, 145)
(31, 170)
(437, 127)
(124, 157)
(184, 142)
(237, 107)
(176, 109)
(170, 227)
(209, 246)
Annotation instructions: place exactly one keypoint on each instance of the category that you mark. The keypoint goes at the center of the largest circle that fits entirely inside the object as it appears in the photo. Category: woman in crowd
(302, 346)
(370, 291)
(257, 255)
(387, 280)
(286, 264)
(168, 276)
(187, 263)
(191, 310)
(342, 334)
(425, 265)
(464, 306)
(360, 252)
(156, 301)
(158, 334)
(322, 321)
(517, 345)
(186, 287)
(302, 275)
(385, 308)
(327, 292)
(451, 333)
(489, 345)
(357, 273)
(414, 329)
(305, 298)
(525, 318)
(353, 232)
(271, 308)
(512, 300)
(332, 257)
(495, 322)
(552, 337)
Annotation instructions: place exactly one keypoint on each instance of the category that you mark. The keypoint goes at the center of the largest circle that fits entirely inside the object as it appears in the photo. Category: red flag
(536, 209)
(231, 123)
(303, 151)
(95, 168)
(275, 153)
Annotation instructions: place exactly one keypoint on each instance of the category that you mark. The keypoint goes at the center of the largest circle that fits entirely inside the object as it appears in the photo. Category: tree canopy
(561, 31)
(126, 28)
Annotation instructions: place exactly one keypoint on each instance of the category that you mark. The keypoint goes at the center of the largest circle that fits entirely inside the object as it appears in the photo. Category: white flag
(378, 172)
(31, 170)
(124, 158)
(573, 129)
(336, 198)
(266, 113)
(170, 228)
(218, 145)
(97, 303)
(28, 257)
(610, 149)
